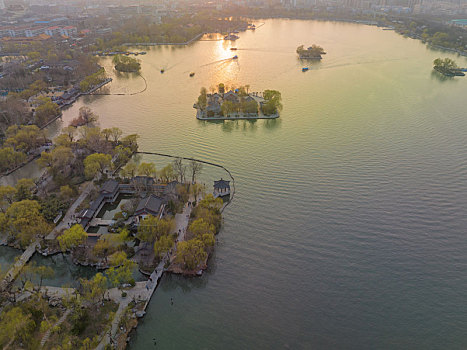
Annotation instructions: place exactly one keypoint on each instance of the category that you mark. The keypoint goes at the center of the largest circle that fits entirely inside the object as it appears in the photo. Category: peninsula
(237, 103)
(165, 221)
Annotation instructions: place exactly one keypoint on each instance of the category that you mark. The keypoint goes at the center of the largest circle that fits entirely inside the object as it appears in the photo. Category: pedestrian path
(59, 322)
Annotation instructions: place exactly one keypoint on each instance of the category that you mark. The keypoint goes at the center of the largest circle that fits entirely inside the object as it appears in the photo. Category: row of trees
(19, 143)
(243, 106)
(92, 80)
(192, 253)
(177, 170)
(173, 29)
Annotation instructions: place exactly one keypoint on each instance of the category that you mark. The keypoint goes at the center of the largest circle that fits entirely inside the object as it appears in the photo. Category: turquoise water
(348, 228)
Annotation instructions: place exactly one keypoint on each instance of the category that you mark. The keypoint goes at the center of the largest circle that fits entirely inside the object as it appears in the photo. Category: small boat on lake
(231, 37)
(235, 57)
(192, 74)
(304, 69)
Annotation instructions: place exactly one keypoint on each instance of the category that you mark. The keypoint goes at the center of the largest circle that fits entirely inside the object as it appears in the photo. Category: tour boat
(231, 37)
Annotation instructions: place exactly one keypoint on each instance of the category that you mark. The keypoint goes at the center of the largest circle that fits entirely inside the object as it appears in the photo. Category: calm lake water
(348, 229)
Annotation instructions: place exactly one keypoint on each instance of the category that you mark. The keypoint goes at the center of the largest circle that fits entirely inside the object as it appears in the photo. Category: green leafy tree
(167, 173)
(95, 288)
(191, 253)
(129, 170)
(123, 272)
(24, 221)
(9, 158)
(202, 99)
(163, 245)
(46, 110)
(147, 169)
(199, 226)
(7, 196)
(16, 325)
(96, 163)
(72, 237)
(151, 228)
(24, 188)
(103, 248)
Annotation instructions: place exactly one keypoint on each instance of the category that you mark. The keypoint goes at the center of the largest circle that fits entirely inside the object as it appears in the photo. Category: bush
(80, 321)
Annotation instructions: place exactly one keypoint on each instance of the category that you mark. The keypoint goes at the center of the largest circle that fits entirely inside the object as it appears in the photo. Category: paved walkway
(59, 322)
(68, 219)
(100, 222)
(18, 265)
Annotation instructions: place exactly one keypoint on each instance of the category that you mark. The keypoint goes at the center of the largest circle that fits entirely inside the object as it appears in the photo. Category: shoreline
(274, 116)
(161, 44)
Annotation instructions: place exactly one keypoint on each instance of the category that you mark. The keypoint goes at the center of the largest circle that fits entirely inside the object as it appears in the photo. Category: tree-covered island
(126, 64)
(313, 52)
(447, 67)
(237, 103)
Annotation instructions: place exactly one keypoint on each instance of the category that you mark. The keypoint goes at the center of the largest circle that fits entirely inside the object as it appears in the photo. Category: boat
(231, 37)
(304, 69)
(162, 70)
(235, 57)
(192, 74)
(233, 48)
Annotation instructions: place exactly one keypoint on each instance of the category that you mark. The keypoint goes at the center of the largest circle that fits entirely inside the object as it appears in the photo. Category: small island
(126, 64)
(314, 52)
(237, 103)
(447, 67)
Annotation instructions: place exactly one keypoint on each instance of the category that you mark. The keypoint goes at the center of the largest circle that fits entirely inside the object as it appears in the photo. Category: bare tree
(195, 168)
(179, 169)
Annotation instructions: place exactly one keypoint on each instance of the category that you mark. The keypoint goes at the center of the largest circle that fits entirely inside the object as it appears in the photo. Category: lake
(348, 227)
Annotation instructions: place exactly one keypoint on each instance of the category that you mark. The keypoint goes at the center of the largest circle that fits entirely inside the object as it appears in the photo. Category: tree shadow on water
(435, 75)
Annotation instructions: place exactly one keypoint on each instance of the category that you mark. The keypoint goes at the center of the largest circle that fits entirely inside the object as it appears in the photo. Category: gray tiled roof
(109, 186)
(150, 205)
(221, 184)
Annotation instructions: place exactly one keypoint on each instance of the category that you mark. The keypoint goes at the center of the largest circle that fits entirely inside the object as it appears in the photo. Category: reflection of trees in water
(65, 271)
(441, 77)
(171, 282)
(243, 125)
(88, 99)
(272, 124)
